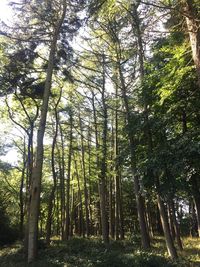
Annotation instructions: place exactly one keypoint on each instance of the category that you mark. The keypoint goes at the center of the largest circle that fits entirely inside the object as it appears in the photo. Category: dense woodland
(100, 100)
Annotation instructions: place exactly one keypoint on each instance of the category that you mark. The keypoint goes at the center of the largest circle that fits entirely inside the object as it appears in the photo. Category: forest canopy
(99, 101)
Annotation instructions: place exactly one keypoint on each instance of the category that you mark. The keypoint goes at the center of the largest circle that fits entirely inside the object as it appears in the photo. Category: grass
(80, 252)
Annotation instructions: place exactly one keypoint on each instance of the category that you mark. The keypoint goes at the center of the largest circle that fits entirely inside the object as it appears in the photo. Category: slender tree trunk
(21, 193)
(176, 225)
(57, 212)
(111, 217)
(89, 180)
(193, 219)
(72, 212)
(196, 195)
(111, 184)
(62, 167)
(171, 222)
(165, 224)
(87, 219)
(117, 175)
(195, 186)
(37, 170)
(149, 219)
(159, 229)
(67, 233)
(54, 174)
(28, 178)
(137, 27)
(29, 164)
(139, 198)
(98, 224)
(121, 212)
(80, 203)
(103, 172)
(117, 205)
(102, 164)
(193, 26)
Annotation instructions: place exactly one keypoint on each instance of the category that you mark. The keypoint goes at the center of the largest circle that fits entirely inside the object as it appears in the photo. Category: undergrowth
(79, 252)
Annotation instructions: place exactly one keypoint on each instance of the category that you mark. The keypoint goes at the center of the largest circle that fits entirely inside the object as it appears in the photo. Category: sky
(5, 10)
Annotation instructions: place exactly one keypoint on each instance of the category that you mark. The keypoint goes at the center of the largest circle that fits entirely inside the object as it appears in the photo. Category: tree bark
(54, 174)
(72, 211)
(193, 27)
(101, 163)
(111, 217)
(149, 219)
(196, 195)
(89, 180)
(176, 225)
(98, 224)
(118, 209)
(80, 203)
(62, 167)
(171, 222)
(21, 194)
(87, 219)
(165, 224)
(67, 227)
(102, 182)
(193, 219)
(121, 212)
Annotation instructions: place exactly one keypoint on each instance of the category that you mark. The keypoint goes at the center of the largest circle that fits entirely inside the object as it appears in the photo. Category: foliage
(80, 252)
(8, 232)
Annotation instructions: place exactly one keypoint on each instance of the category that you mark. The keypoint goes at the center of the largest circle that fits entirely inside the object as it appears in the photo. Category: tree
(37, 170)
(192, 19)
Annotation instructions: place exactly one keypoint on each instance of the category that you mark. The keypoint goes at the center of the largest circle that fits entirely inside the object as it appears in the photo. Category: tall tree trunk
(89, 180)
(57, 204)
(62, 167)
(98, 223)
(69, 177)
(102, 163)
(72, 211)
(165, 224)
(176, 225)
(29, 177)
(103, 172)
(29, 164)
(196, 195)
(53, 189)
(111, 217)
(87, 219)
(37, 170)
(149, 219)
(139, 198)
(111, 185)
(121, 212)
(193, 219)
(193, 26)
(21, 194)
(171, 222)
(117, 174)
(80, 203)
(137, 27)
(195, 185)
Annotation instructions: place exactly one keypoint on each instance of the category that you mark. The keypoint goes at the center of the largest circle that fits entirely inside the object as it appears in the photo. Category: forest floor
(79, 252)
